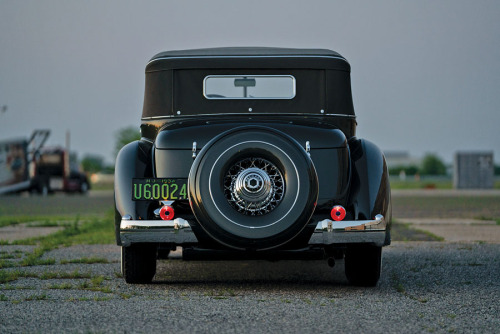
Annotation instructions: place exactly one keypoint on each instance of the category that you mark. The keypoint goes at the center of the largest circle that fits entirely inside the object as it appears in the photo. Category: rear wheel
(139, 263)
(363, 264)
(84, 187)
(43, 189)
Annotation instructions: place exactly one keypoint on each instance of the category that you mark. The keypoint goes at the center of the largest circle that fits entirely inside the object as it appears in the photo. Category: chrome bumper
(177, 231)
(327, 232)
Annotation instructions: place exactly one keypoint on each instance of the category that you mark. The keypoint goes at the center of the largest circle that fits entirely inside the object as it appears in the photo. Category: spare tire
(253, 188)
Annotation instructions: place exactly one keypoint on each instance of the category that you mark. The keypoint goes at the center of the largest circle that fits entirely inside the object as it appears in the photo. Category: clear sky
(425, 74)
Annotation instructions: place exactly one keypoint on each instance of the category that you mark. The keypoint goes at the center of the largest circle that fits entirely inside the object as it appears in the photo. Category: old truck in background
(25, 165)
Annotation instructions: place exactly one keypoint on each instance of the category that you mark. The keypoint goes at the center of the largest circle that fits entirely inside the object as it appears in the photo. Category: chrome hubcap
(254, 186)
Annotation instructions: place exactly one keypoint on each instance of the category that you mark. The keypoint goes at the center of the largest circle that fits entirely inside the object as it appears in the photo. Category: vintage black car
(251, 153)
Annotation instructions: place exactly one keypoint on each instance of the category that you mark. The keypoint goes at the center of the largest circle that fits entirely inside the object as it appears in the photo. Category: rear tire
(139, 263)
(253, 188)
(363, 264)
(84, 187)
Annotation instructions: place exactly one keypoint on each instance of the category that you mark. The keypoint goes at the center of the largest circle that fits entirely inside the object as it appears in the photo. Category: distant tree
(108, 169)
(125, 136)
(92, 163)
(432, 165)
(497, 170)
(409, 170)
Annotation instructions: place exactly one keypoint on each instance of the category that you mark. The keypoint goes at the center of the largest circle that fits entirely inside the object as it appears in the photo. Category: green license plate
(159, 189)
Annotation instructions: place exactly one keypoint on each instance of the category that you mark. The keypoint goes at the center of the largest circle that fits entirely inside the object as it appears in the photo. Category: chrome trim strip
(229, 57)
(294, 89)
(246, 114)
(147, 139)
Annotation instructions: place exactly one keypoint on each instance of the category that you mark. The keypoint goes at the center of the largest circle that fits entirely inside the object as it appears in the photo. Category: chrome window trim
(294, 86)
(246, 114)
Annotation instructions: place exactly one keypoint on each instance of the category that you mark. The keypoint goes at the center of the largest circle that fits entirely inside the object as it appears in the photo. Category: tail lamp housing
(167, 212)
(338, 213)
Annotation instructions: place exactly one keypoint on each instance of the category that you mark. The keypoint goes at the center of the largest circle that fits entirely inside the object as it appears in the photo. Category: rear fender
(370, 189)
(133, 160)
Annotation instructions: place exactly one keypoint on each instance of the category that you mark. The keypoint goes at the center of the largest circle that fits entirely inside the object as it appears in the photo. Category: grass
(41, 220)
(6, 255)
(423, 184)
(7, 264)
(34, 258)
(95, 231)
(95, 284)
(8, 276)
(404, 232)
(37, 297)
(13, 275)
(62, 206)
(48, 223)
(62, 286)
(125, 296)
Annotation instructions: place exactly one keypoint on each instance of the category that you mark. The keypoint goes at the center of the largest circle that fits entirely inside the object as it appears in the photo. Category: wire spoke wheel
(254, 186)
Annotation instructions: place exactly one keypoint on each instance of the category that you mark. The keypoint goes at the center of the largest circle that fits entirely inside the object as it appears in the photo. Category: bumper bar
(327, 232)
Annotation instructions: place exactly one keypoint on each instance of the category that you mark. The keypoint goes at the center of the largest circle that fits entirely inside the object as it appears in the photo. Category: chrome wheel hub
(254, 186)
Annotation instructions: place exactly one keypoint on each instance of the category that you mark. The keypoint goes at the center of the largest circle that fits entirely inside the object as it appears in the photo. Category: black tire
(363, 264)
(84, 187)
(43, 188)
(139, 263)
(292, 191)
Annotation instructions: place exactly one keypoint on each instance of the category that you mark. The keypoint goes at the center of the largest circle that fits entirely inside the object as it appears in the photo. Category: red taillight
(338, 213)
(167, 212)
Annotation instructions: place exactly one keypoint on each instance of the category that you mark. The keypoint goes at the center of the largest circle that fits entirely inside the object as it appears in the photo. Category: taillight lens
(338, 213)
(167, 212)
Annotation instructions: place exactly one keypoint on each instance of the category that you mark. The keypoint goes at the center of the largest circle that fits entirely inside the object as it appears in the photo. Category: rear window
(249, 87)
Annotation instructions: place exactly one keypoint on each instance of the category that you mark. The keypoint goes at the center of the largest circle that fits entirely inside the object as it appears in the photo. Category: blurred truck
(25, 165)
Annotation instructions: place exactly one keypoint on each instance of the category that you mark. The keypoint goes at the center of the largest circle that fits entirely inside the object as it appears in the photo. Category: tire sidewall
(223, 222)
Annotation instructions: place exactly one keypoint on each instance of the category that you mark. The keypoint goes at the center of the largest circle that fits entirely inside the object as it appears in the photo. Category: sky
(425, 74)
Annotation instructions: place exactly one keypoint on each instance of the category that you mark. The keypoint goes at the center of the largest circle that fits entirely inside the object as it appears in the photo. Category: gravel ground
(425, 287)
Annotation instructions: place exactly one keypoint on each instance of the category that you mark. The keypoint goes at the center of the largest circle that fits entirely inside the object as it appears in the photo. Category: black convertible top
(249, 57)
(248, 51)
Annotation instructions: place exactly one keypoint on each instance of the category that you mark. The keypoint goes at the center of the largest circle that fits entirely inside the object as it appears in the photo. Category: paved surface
(24, 231)
(425, 287)
(444, 192)
(456, 229)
